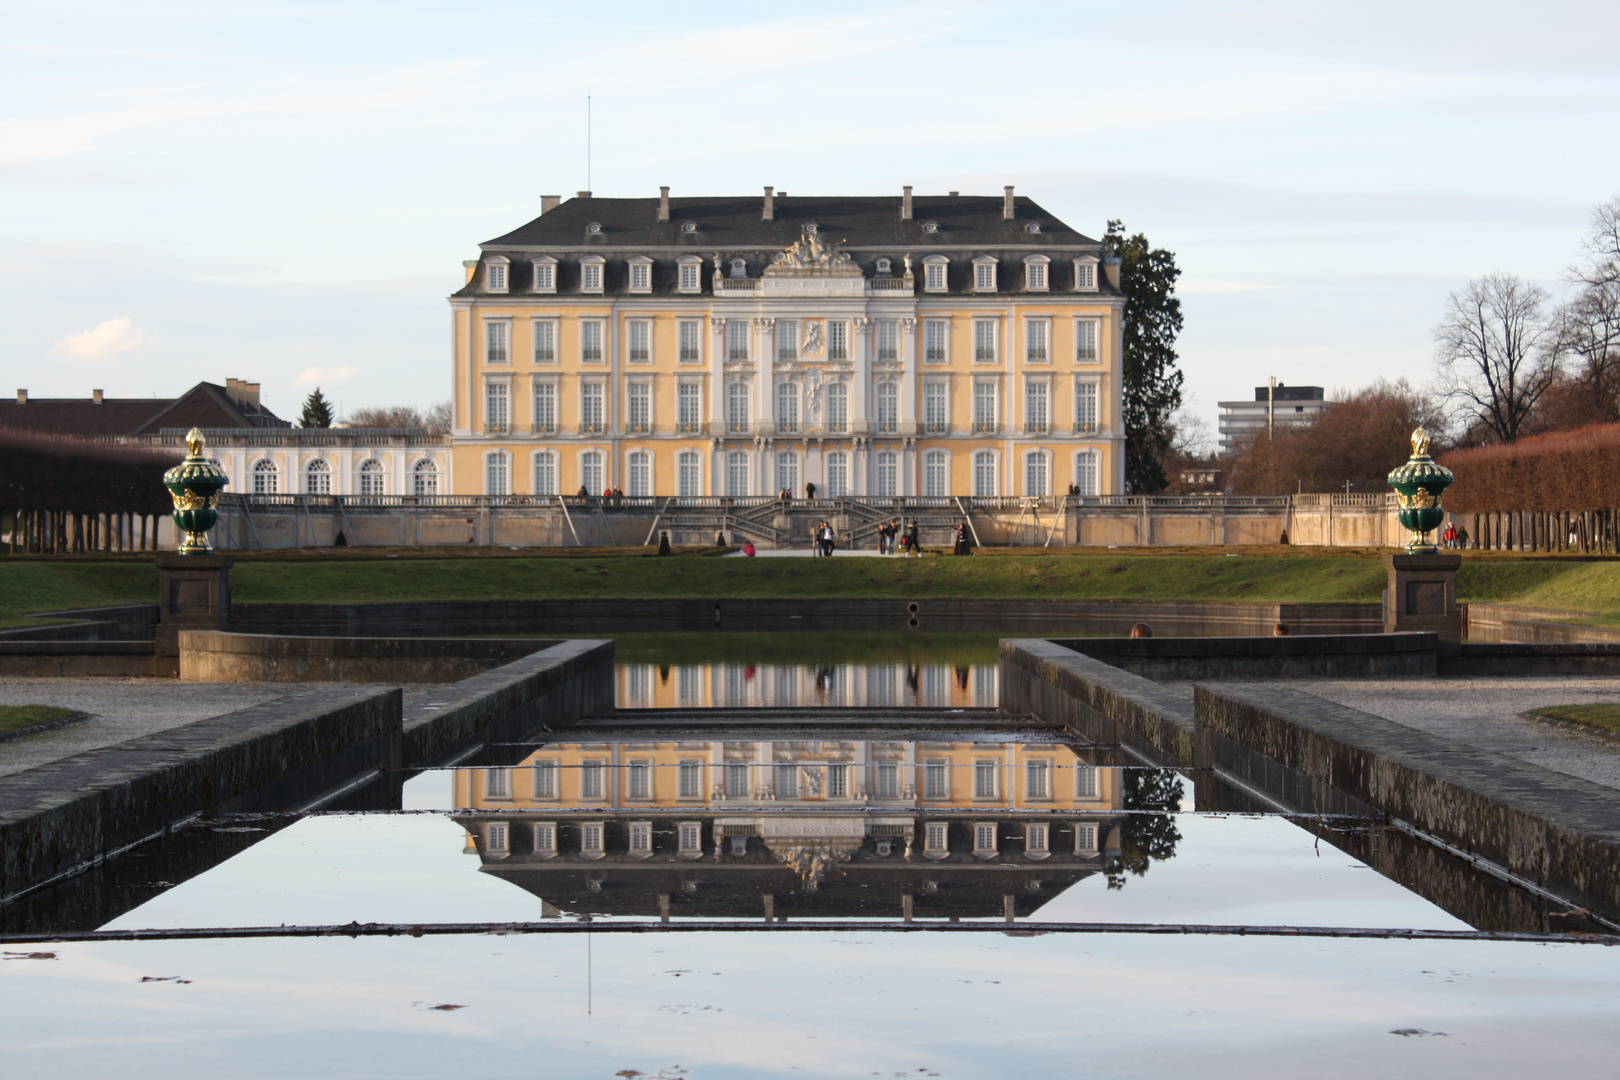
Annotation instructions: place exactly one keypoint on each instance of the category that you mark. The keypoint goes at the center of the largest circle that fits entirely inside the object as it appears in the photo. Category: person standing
(826, 538)
(809, 489)
(912, 546)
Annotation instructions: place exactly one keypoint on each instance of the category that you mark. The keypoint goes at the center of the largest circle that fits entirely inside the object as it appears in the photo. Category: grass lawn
(16, 717)
(1295, 575)
(1604, 715)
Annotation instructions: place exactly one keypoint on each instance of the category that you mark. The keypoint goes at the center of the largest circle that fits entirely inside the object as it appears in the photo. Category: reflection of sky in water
(825, 1005)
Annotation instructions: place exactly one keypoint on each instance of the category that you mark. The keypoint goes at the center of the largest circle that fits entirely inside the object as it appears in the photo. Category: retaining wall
(220, 656)
(1336, 656)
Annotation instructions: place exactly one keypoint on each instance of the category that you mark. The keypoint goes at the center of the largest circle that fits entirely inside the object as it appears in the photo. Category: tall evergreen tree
(1152, 383)
(317, 411)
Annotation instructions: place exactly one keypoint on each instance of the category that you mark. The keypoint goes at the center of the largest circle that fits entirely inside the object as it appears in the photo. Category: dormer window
(688, 227)
(590, 275)
(1035, 273)
(1033, 227)
(809, 228)
(495, 274)
(934, 273)
(545, 274)
(641, 275)
(1085, 274)
(594, 228)
(691, 271)
(930, 226)
(984, 274)
(885, 267)
(739, 268)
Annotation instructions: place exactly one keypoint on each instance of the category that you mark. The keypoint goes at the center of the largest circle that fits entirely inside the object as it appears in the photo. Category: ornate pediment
(812, 257)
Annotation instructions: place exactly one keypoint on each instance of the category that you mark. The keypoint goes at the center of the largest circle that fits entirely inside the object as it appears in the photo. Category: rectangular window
(838, 781)
(691, 277)
(496, 415)
(888, 474)
(736, 339)
(888, 339)
(545, 341)
(837, 340)
(737, 782)
(888, 781)
(690, 775)
(1085, 839)
(984, 341)
(691, 342)
(640, 419)
(737, 408)
(1037, 474)
(787, 408)
(1035, 840)
(936, 478)
(837, 409)
(497, 336)
(1085, 341)
(497, 783)
(1035, 335)
(689, 474)
(1038, 779)
(984, 779)
(640, 277)
(1085, 782)
(590, 839)
(1035, 274)
(888, 408)
(1085, 275)
(984, 406)
(935, 332)
(689, 407)
(984, 838)
(641, 779)
(545, 779)
(1085, 407)
(737, 473)
(937, 779)
(691, 838)
(592, 780)
(590, 277)
(496, 275)
(545, 838)
(787, 479)
(1035, 416)
(936, 418)
(641, 838)
(590, 341)
(495, 833)
(640, 341)
(934, 838)
(787, 781)
(837, 474)
(984, 276)
(590, 408)
(545, 277)
(787, 339)
(934, 276)
(545, 408)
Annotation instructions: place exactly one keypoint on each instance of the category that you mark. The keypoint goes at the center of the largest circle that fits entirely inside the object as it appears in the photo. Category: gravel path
(124, 709)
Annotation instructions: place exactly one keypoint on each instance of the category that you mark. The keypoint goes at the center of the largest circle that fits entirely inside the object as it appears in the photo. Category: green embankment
(1604, 715)
(17, 717)
(47, 585)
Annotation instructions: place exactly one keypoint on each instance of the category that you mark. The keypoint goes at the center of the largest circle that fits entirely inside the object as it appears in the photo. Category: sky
(284, 192)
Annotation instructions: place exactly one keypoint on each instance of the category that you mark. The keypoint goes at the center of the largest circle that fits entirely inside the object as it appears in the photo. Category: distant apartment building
(1272, 407)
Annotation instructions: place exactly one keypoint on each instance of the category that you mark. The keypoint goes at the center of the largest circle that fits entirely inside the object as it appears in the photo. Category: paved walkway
(124, 709)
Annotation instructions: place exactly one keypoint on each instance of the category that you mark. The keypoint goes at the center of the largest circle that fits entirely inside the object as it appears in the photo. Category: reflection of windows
(838, 781)
(545, 779)
(691, 838)
(888, 781)
(1038, 780)
(592, 775)
(495, 837)
(937, 779)
(497, 783)
(545, 838)
(984, 838)
(641, 838)
(787, 781)
(1085, 838)
(590, 840)
(689, 679)
(1085, 782)
(985, 684)
(1035, 840)
(984, 779)
(934, 838)
(641, 779)
(737, 782)
(691, 779)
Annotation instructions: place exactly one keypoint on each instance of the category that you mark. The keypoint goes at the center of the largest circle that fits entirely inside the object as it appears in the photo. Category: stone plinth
(1422, 594)
(194, 593)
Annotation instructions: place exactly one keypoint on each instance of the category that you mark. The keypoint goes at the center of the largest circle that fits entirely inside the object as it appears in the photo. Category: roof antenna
(588, 143)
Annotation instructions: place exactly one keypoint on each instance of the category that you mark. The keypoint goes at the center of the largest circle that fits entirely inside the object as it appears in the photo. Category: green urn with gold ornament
(1419, 484)
(195, 484)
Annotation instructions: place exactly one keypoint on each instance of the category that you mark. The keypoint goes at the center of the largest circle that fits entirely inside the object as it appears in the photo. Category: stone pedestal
(1422, 594)
(194, 593)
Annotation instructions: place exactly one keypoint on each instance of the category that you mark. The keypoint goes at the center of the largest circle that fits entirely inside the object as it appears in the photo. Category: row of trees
(317, 413)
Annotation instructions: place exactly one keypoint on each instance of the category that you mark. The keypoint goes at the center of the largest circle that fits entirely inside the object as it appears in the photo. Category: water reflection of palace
(720, 686)
(801, 828)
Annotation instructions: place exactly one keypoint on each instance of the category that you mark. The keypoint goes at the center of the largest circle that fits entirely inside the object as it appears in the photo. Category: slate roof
(205, 405)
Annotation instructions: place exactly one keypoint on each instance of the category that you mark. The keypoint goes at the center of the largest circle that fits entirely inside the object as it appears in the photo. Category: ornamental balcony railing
(638, 427)
(1035, 427)
(689, 427)
(981, 427)
(1085, 427)
(888, 284)
(936, 427)
(591, 427)
(496, 427)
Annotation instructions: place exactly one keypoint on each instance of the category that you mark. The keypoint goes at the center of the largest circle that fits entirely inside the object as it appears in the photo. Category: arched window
(984, 474)
(591, 472)
(641, 485)
(545, 473)
(737, 473)
(888, 474)
(372, 477)
(1037, 472)
(936, 474)
(787, 471)
(425, 478)
(497, 474)
(837, 474)
(1086, 471)
(266, 477)
(689, 474)
(318, 478)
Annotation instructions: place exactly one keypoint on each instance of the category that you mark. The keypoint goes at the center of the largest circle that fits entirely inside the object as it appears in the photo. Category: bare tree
(436, 419)
(1494, 352)
(1602, 263)
(1586, 329)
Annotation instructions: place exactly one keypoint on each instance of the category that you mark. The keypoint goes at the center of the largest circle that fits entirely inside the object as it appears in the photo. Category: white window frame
(641, 839)
(1037, 273)
(837, 422)
(589, 329)
(642, 328)
(592, 400)
(984, 274)
(1082, 265)
(592, 274)
(936, 274)
(498, 783)
(497, 274)
(838, 781)
(837, 474)
(497, 473)
(886, 340)
(983, 329)
(986, 769)
(1037, 486)
(936, 351)
(936, 839)
(986, 839)
(739, 407)
(1085, 838)
(689, 837)
(546, 785)
(543, 420)
(596, 771)
(546, 459)
(498, 340)
(690, 274)
(593, 474)
(497, 839)
(737, 341)
(837, 339)
(638, 471)
(786, 334)
(545, 275)
(986, 422)
(497, 405)
(787, 470)
(689, 474)
(1037, 840)
(592, 840)
(689, 341)
(1038, 780)
(1038, 341)
(1086, 782)
(1087, 406)
(986, 467)
(425, 477)
(886, 474)
(689, 406)
(638, 779)
(886, 408)
(1037, 405)
(543, 341)
(641, 269)
(266, 477)
(1088, 330)
(886, 780)
(936, 484)
(638, 407)
(936, 778)
(544, 839)
(936, 407)
(1095, 470)
(373, 478)
(739, 474)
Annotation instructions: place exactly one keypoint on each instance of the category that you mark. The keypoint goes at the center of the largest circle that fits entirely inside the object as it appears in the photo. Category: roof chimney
(22, 396)
(95, 396)
(582, 194)
(469, 265)
(548, 203)
(1007, 204)
(243, 392)
(663, 203)
(905, 203)
(770, 204)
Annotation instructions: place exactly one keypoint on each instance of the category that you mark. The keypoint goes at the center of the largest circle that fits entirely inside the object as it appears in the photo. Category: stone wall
(218, 656)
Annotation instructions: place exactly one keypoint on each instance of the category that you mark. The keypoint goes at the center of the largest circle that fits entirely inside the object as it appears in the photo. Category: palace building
(727, 346)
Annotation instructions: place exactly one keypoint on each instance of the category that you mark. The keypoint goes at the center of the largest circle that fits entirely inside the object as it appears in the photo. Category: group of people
(1453, 537)
(894, 532)
(822, 539)
(609, 494)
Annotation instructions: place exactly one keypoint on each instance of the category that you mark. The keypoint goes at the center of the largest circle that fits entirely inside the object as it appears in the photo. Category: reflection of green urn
(195, 484)
(1420, 483)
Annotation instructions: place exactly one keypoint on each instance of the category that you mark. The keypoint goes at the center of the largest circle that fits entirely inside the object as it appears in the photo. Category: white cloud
(113, 338)
(315, 376)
